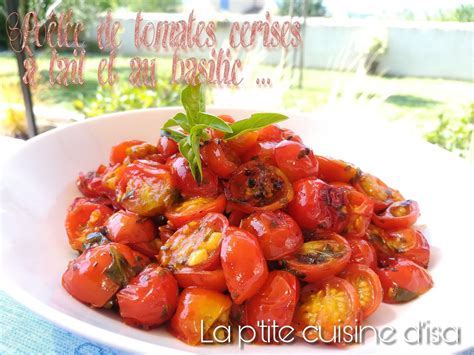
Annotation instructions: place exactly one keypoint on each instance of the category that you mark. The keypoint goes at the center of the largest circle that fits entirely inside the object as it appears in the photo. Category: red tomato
(146, 189)
(408, 243)
(382, 195)
(241, 144)
(278, 234)
(258, 187)
(275, 302)
(359, 213)
(362, 253)
(166, 232)
(119, 151)
(150, 249)
(318, 259)
(214, 133)
(150, 298)
(194, 208)
(262, 151)
(236, 217)
(98, 273)
(220, 158)
(142, 151)
(209, 279)
(398, 215)
(295, 160)
(403, 280)
(186, 183)
(274, 133)
(199, 311)
(331, 170)
(90, 184)
(196, 244)
(128, 227)
(328, 305)
(318, 206)
(244, 265)
(167, 147)
(84, 217)
(368, 287)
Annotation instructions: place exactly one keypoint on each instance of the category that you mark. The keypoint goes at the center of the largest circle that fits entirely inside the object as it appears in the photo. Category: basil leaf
(253, 123)
(180, 119)
(194, 161)
(173, 134)
(119, 271)
(214, 122)
(193, 100)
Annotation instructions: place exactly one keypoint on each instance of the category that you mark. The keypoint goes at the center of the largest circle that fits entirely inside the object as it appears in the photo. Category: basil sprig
(196, 120)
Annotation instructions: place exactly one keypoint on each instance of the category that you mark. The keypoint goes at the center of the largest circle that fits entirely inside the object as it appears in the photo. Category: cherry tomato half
(318, 259)
(150, 298)
(128, 227)
(196, 244)
(90, 184)
(244, 265)
(332, 170)
(403, 280)
(278, 234)
(167, 147)
(295, 160)
(274, 133)
(209, 279)
(98, 273)
(194, 208)
(151, 248)
(360, 210)
(398, 215)
(261, 151)
(220, 158)
(119, 151)
(83, 217)
(199, 312)
(258, 187)
(368, 287)
(328, 305)
(362, 253)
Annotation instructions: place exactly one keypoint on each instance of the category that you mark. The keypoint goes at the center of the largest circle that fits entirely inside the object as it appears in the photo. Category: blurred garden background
(407, 62)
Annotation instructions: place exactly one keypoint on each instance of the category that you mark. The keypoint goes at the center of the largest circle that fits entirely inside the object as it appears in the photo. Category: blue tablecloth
(22, 331)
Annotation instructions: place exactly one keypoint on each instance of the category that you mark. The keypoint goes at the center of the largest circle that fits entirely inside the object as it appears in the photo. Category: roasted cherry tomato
(295, 160)
(261, 151)
(332, 170)
(166, 232)
(210, 279)
(403, 280)
(278, 234)
(196, 244)
(150, 298)
(84, 217)
(368, 287)
(97, 274)
(318, 206)
(142, 151)
(320, 258)
(214, 133)
(220, 158)
(382, 195)
(119, 151)
(258, 187)
(186, 183)
(199, 312)
(145, 188)
(194, 208)
(275, 302)
(236, 217)
(150, 249)
(329, 305)
(408, 243)
(242, 143)
(273, 133)
(362, 253)
(398, 215)
(359, 209)
(244, 265)
(90, 184)
(167, 147)
(128, 227)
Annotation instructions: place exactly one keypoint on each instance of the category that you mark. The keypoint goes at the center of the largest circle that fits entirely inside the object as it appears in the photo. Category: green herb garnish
(196, 120)
(119, 271)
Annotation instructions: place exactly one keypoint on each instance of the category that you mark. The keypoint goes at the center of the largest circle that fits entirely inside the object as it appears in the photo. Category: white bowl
(38, 184)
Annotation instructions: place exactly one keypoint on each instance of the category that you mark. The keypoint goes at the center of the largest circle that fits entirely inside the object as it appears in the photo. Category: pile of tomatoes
(272, 233)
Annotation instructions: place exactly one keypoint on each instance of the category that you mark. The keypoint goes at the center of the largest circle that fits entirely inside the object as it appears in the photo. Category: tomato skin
(243, 263)
(128, 227)
(362, 253)
(258, 187)
(84, 217)
(274, 133)
(150, 298)
(86, 277)
(400, 214)
(241, 144)
(208, 279)
(198, 237)
(150, 248)
(196, 306)
(368, 286)
(185, 181)
(403, 280)
(332, 170)
(166, 232)
(295, 160)
(145, 188)
(322, 293)
(194, 208)
(90, 184)
(236, 217)
(261, 151)
(278, 234)
(167, 147)
(312, 266)
(220, 158)
(407, 243)
(275, 301)
(118, 152)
